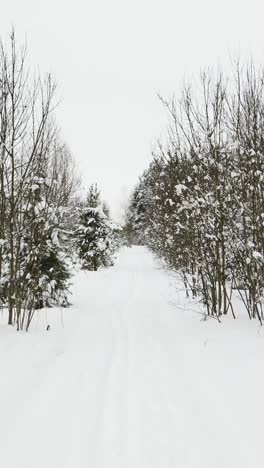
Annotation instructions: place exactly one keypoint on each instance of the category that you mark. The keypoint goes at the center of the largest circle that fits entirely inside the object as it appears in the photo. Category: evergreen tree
(93, 196)
(95, 234)
(43, 274)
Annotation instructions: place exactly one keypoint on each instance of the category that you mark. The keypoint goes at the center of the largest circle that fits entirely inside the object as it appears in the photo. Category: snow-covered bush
(199, 205)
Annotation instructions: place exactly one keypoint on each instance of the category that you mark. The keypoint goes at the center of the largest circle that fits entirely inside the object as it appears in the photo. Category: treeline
(39, 211)
(200, 204)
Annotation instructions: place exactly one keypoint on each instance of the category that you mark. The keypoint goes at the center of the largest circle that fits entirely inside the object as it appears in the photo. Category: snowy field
(126, 378)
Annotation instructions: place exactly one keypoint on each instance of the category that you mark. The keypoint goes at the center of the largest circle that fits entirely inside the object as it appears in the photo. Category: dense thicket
(200, 204)
(36, 183)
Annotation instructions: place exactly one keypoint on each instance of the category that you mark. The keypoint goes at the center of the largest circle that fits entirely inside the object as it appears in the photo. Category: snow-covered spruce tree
(44, 273)
(93, 199)
(95, 235)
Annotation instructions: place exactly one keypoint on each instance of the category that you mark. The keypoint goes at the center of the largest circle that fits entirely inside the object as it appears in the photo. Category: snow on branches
(199, 205)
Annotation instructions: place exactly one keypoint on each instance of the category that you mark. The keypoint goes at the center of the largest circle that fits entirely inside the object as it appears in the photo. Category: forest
(199, 206)
(131, 234)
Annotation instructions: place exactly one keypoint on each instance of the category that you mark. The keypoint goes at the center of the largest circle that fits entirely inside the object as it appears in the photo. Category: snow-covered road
(131, 380)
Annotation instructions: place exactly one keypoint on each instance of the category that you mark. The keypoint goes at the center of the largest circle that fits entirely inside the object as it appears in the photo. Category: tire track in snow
(120, 444)
(115, 411)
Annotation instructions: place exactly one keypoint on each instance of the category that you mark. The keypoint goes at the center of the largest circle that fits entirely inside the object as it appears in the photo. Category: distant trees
(37, 179)
(134, 217)
(200, 204)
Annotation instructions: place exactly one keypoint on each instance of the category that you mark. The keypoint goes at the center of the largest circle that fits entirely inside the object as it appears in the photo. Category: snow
(130, 377)
(34, 187)
(257, 255)
(180, 188)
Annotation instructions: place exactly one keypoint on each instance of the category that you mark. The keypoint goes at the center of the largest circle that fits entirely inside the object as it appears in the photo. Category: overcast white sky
(110, 58)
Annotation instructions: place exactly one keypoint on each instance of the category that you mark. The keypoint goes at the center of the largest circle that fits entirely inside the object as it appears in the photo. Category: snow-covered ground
(126, 378)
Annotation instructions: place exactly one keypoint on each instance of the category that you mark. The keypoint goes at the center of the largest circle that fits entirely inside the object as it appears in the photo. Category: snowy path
(131, 381)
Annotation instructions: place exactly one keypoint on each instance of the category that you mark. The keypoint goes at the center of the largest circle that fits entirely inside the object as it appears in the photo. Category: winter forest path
(131, 380)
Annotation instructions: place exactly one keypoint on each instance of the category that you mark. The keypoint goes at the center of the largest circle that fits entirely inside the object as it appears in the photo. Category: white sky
(110, 59)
